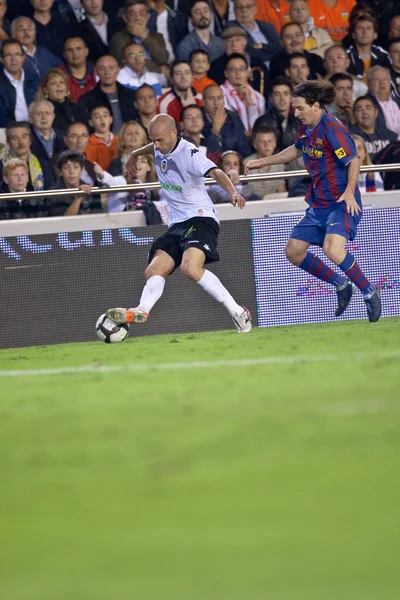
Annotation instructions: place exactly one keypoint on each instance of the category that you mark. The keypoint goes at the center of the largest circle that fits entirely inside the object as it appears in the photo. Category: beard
(203, 24)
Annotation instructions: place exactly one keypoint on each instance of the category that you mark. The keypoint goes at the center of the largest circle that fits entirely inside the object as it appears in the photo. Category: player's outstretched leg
(371, 293)
(161, 265)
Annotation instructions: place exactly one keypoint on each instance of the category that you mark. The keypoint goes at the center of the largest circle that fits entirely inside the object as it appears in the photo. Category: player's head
(310, 98)
(163, 133)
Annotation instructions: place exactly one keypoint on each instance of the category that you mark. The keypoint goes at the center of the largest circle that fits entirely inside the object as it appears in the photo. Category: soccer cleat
(127, 315)
(242, 321)
(374, 305)
(344, 297)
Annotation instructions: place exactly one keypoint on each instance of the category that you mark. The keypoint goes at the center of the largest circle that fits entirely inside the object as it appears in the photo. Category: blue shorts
(318, 222)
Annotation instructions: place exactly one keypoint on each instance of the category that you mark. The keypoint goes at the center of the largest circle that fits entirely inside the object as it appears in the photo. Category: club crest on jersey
(318, 142)
(163, 165)
(340, 153)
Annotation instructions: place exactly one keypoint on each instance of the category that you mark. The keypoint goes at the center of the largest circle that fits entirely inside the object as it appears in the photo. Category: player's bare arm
(288, 154)
(348, 194)
(223, 180)
(147, 149)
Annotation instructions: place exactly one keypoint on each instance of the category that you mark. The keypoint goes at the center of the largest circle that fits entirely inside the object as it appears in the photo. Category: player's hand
(238, 200)
(253, 164)
(351, 203)
(98, 170)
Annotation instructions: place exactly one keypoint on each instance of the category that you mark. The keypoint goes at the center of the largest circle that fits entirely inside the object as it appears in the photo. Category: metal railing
(156, 185)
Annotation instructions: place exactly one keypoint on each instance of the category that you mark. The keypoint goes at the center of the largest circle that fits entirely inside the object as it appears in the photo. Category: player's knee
(333, 252)
(152, 270)
(293, 254)
(191, 271)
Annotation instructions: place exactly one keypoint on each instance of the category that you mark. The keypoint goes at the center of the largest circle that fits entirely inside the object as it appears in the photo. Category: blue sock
(350, 266)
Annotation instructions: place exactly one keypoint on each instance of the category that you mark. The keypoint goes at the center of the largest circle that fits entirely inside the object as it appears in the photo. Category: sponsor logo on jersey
(318, 142)
(170, 186)
(313, 152)
(340, 153)
(200, 212)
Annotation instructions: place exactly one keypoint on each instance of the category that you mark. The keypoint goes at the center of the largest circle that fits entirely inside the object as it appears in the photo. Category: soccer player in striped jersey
(334, 198)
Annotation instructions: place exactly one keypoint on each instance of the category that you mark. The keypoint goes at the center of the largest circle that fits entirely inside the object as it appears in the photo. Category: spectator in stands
(192, 124)
(201, 36)
(239, 96)
(380, 87)
(342, 107)
(262, 39)
(280, 116)
(77, 139)
(16, 8)
(223, 11)
(96, 29)
(102, 147)
(223, 129)
(80, 72)
(51, 28)
(293, 40)
(135, 72)
(71, 11)
(19, 142)
(317, 39)
(118, 98)
(367, 182)
(46, 141)
(130, 136)
(298, 70)
(70, 164)
(235, 41)
(390, 155)
(5, 25)
(182, 93)
(231, 164)
(366, 115)
(135, 15)
(265, 142)
(394, 28)
(394, 53)
(38, 59)
(170, 22)
(338, 61)
(364, 54)
(17, 88)
(332, 15)
(276, 12)
(146, 105)
(54, 87)
(15, 180)
(200, 64)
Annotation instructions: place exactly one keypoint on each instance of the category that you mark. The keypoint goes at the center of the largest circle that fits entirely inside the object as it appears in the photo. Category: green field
(204, 467)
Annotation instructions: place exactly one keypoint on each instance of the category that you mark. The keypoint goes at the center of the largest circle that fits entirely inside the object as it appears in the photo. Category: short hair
(144, 86)
(34, 104)
(366, 97)
(264, 129)
(395, 40)
(198, 51)
(176, 63)
(189, 106)
(70, 156)
(281, 80)
(197, 2)
(70, 125)
(236, 55)
(341, 77)
(131, 44)
(364, 16)
(10, 42)
(373, 70)
(297, 54)
(75, 37)
(12, 164)
(18, 20)
(97, 105)
(130, 3)
(315, 91)
(286, 25)
(17, 125)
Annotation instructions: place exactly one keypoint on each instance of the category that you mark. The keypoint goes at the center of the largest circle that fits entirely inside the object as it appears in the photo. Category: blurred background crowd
(80, 81)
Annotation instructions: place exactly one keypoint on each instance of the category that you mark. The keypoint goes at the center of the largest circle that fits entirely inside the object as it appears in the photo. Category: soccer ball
(109, 332)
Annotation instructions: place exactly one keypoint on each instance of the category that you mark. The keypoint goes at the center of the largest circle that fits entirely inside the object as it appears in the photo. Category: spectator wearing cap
(262, 38)
(136, 16)
(38, 59)
(96, 29)
(235, 41)
(80, 72)
(293, 39)
(182, 93)
(135, 72)
(15, 180)
(239, 96)
(201, 37)
(317, 39)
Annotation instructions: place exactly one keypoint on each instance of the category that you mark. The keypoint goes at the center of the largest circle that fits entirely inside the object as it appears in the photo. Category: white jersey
(181, 175)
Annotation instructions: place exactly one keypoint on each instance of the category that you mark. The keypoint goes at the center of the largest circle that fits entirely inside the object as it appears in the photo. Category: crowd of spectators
(80, 81)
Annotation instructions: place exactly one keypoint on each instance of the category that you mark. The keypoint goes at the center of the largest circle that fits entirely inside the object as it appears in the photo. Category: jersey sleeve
(297, 143)
(198, 163)
(342, 144)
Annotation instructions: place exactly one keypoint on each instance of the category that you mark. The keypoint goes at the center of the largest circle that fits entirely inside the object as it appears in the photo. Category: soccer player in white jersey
(192, 237)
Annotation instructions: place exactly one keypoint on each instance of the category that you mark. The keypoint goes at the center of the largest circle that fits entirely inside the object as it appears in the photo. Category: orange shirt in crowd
(334, 19)
(200, 84)
(278, 15)
(100, 152)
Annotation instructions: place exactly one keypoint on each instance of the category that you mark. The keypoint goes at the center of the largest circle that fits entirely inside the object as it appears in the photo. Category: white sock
(152, 292)
(212, 285)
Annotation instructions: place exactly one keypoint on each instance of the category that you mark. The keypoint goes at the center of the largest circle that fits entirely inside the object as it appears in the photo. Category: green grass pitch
(273, 475)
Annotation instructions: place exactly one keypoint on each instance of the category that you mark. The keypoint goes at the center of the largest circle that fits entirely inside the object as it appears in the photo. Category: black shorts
(198, 232)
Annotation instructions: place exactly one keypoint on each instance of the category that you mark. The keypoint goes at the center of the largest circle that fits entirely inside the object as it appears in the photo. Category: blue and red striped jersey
(327, 151)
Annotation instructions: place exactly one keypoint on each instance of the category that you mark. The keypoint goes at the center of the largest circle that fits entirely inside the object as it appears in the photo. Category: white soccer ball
(109, 332)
